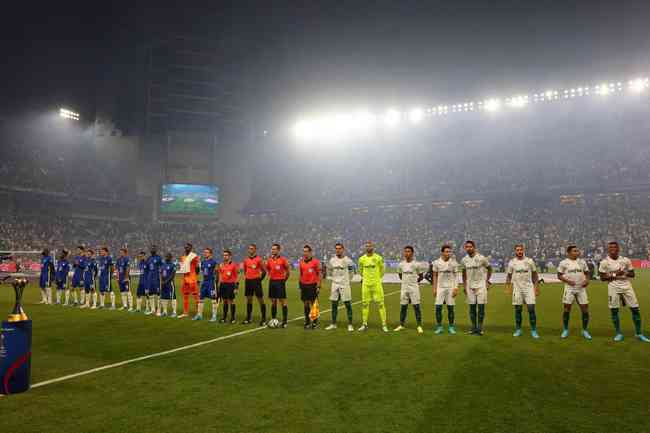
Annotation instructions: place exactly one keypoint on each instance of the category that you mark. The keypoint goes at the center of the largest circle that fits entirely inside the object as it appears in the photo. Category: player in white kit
(617, 271)
(476, 281)
(444, 275)
(574, 272)
(340, 269)
(522, 281)
(411, 272)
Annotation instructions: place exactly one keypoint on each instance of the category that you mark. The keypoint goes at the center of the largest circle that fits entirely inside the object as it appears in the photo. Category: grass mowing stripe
(170, 351)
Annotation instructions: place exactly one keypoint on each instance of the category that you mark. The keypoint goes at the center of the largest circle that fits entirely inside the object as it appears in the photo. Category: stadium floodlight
(492, 104)
(602, 90)
(518, 101)
(392, 117)
(416, 115)
(68, 114)
(303, 129)
(638, 85)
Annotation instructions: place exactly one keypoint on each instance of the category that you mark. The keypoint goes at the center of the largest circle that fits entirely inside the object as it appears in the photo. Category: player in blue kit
(154, 262)
(61, 277)
(47, 276)
(77, 276)
(168, 290)
(208, 285)
(141, 292)
(89, 275)
(123, 264)
(105, 264)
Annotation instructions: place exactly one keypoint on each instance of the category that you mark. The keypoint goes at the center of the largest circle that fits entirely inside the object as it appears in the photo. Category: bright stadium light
(492, 104)
(392, 117)
(638, 85)
(68, 114)
(416, 115)
(303, 129)
(602, 90)
(518, 101)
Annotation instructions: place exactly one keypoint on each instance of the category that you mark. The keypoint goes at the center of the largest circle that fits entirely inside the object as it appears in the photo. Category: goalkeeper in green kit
(371, 269)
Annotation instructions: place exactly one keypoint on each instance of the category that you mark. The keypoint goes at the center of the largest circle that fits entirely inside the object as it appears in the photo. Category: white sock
(58, 296)
(95, 299)
(75, 298)
(215, 307)
(163, 305)
(174, 305)
(101, 299)
(199, 309)
(138, 303)
(129, 296)
(48, 291)
(82, 296)
(112, 299)
(67, 297)
(87, 295)
(123, 298)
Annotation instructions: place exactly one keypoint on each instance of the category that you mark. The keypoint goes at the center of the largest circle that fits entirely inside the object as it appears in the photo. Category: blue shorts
(168, 291)
(141, 290)
(89, 286)
(154, 287)
(104, 285)
(76, 280)
(43, 282)
(124, 286)
(208, 290)
(60, 285)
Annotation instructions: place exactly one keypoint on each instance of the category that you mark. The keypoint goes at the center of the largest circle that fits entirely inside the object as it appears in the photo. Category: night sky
(306, 54)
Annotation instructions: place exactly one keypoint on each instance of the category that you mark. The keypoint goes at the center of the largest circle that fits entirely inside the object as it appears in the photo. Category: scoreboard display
(182, 199)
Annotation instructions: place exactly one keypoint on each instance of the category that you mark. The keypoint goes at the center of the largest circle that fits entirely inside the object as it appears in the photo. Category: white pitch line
(170, 351)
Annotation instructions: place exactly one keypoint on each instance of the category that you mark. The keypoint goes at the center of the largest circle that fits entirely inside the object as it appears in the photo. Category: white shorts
(476, 295)
(409, 295)
(341, 293)
(445, 296)
(628, 296)
(572, 294)
(523, 296)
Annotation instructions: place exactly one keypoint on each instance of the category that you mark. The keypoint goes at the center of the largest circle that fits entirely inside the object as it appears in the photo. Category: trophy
(18, 314)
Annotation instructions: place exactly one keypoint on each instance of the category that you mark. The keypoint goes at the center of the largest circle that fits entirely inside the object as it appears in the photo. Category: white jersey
(339, 270)
(476, 270)
(574, 271)
(522, 272)
(609, 265)
(410, 271)
(447, 273)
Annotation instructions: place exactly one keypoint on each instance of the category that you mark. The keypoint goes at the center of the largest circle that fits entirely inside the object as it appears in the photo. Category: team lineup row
(220, 283)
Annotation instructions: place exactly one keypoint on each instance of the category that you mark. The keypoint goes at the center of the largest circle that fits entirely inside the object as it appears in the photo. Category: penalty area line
(171, 351)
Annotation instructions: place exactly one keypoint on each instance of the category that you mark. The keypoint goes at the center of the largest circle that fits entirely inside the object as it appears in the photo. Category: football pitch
(296, 380)
(179, 206)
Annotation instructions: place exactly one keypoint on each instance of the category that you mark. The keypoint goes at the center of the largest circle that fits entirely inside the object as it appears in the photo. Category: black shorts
(308, 292)
(227, 290)
(277, 289)
(254, 288)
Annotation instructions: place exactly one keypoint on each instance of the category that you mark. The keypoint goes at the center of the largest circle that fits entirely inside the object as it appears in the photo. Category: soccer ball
(273, 323)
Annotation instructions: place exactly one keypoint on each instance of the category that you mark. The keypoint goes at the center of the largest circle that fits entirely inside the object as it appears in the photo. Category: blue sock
(402, 314)
(450, 314)
(439, 314)
(532, 317)
(418, 314)
(518, 316)
(616, 321)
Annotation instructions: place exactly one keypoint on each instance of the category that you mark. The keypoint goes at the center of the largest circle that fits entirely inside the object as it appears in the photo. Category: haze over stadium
(370, 159)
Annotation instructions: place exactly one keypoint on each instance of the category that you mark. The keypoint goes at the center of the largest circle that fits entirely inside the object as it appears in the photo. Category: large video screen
(189, 199)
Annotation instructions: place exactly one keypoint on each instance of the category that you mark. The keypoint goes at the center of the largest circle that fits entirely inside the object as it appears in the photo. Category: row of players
(220, 283)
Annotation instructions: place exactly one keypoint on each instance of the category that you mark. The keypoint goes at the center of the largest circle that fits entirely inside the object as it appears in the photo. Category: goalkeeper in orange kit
(189, 264)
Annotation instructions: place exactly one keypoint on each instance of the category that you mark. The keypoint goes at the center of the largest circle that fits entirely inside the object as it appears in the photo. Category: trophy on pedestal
(18, 314)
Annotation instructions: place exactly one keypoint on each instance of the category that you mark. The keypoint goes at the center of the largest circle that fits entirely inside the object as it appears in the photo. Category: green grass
(180, 207)
(294, 380)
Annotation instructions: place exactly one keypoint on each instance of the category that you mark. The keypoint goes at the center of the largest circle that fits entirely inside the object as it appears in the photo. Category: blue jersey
(168, 272)
(142, 267)
(90, 269)
(62, 270)
(77, 266)
(122, 264)
(153, 270)
(105, 264)
(46, 271)
(208, 269)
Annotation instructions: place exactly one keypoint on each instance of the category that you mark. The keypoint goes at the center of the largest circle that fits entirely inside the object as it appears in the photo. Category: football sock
(518, 316)
(481, 315)
(58, 296)
(450, 314)
(67, 296)
(102, 299)
(124, 300)
(215, 307)
(382, 313)
(174, 305)
(532, 317)
(306, 311)
(263, 308)
(418, 314)
(95, 299)
(274, 311)
(163, 305)
(348, 308)
(472, 315)
(48, 291)
(636, 318)
(585, 320)
(402, 313)
(335, 310)
(113, 299)
(565, 319)
(75, 298)
(225, 310)
(233, 307)
(285, 313)
(199, 308)
(616, 321)
(43, 295)
(365, 310)
(249, 311)
(138, 303)
(439, 314)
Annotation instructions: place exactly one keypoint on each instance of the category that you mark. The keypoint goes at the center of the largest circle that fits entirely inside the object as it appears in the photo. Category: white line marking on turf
(170, 351)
